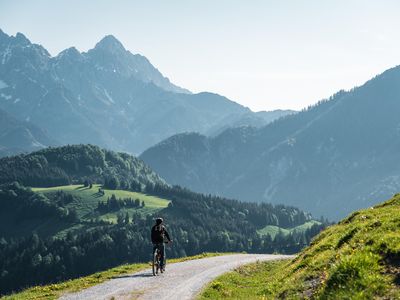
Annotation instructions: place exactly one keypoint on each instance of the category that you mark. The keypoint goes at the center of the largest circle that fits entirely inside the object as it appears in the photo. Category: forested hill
(78, 231)
(75, 164)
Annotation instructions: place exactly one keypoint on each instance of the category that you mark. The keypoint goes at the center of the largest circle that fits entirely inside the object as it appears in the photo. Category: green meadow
(88, 198)
(274, 230)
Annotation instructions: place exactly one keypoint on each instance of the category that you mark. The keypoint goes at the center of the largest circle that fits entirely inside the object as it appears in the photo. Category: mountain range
(106, 96)
(334, 157)
(337, 156)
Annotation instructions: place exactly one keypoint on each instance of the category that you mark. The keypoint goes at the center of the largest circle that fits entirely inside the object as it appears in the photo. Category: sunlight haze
(262, 54)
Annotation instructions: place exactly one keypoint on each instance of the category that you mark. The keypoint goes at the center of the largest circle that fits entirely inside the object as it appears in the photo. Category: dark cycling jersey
(158, 232)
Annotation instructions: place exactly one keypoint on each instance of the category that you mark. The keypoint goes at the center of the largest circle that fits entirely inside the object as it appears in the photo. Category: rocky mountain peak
(22, 39)
(71, 53)
(3, 34)
(110, 44)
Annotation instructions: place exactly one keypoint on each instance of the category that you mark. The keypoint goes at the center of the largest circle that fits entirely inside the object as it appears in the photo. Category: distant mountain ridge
(106, 96)
(258, 119)
(19, 136)
(337, 156)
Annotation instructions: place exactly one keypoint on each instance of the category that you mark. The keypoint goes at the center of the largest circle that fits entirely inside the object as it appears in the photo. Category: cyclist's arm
(152, 235)
(167, 235)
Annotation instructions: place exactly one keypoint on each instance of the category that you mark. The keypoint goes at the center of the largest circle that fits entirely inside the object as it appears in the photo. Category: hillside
(89, 199)
(106, 96)
(330, 159)
(356, 259)
(52, 231)
(62, 210)
(75, 164)
(272, 230)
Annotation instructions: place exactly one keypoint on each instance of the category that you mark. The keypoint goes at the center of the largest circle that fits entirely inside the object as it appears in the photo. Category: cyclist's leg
(154, 249)
(163, 258)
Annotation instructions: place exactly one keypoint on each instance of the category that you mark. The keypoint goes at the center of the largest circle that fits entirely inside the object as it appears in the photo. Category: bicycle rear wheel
(155, 262)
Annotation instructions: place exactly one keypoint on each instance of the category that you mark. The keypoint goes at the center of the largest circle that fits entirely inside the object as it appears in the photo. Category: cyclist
(158, 234)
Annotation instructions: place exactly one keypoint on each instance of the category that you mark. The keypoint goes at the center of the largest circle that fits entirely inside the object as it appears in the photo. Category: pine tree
(120, 219)
(126, 218)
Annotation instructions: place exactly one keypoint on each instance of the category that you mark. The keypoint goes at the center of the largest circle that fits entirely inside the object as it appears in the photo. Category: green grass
(53, 291)
(274, 230)
(246, 282)
(88, 199)
(359, 258)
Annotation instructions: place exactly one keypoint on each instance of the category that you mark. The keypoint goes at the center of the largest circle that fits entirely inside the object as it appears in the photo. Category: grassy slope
(85, 205)
(90, 197)
(359, 258)
(53, 291)
(274, 230)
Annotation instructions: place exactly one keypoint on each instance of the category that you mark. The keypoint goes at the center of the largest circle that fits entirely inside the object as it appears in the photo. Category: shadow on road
(134, 275)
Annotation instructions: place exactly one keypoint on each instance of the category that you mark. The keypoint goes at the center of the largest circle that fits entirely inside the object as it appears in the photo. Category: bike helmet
(159, 221)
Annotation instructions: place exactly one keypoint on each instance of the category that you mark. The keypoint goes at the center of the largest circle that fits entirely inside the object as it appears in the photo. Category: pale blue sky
(262, 54)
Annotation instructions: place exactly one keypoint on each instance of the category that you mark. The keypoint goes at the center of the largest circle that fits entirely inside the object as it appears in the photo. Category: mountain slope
(106, 96)
(258, 119)
(19, 136)
(330, 159)
(355, 259)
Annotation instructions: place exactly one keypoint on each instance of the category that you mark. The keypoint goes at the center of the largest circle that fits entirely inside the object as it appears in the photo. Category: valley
(72, 226)
(185, 150)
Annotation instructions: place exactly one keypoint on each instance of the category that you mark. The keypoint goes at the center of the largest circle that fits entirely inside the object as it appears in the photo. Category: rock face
(335, 157)
(106, 96)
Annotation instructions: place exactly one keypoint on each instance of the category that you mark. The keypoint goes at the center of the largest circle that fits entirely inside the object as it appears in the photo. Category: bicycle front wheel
(155, 262)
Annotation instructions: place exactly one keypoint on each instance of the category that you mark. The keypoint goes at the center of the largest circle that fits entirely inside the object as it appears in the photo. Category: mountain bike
(156, 260)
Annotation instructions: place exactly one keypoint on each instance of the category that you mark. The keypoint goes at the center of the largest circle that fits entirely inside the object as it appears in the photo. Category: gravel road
(182, 280)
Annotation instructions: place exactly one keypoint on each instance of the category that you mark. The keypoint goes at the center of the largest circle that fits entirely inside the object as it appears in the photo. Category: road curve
(182, 280)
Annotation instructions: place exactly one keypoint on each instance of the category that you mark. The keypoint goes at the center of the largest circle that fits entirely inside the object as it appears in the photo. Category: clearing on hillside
(272, 230)
(87, 200)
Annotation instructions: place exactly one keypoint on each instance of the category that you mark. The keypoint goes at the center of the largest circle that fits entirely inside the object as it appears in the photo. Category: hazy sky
(262, 54)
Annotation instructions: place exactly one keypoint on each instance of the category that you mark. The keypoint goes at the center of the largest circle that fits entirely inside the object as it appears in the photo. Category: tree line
(114, 204)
